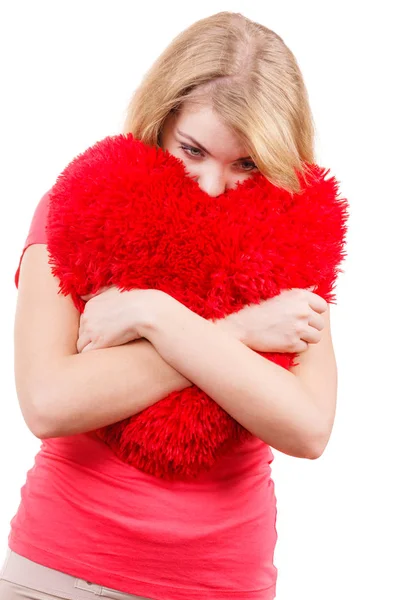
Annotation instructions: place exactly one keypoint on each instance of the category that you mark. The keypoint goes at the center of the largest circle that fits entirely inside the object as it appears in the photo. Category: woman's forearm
(90, 390)
(266, 399)
(85, 391)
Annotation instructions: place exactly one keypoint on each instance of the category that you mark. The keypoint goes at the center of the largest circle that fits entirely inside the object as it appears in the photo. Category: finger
(83, 341)
(89, 346)
(316, 302)
(88, 297)
(317, 321)
(311, 336)
(301, 346)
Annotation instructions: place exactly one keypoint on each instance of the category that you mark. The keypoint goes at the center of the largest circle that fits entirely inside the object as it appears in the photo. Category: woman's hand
(110, 318)
(287, 322)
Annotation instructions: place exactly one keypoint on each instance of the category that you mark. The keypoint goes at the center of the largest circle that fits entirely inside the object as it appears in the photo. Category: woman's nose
(213, 186)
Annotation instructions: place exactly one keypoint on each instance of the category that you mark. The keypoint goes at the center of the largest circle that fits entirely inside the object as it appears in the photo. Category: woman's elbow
(35, 415)
(318, 445)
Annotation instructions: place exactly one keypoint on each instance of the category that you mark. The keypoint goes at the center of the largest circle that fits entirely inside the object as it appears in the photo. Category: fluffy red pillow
(127, 214)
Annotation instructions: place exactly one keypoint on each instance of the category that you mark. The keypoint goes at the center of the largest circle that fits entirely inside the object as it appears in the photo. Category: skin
(216, 159)
(225, 161)
(291, 411)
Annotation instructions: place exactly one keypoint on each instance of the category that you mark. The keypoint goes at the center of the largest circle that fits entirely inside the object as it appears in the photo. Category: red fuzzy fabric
(127, 214)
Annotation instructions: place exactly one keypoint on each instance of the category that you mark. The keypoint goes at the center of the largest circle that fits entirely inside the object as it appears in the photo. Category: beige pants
(21, 578)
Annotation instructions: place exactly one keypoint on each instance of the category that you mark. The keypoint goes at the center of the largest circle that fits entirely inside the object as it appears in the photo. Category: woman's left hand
(110, 318)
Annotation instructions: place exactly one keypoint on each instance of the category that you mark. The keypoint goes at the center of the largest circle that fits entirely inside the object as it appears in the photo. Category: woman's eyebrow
(202, 147)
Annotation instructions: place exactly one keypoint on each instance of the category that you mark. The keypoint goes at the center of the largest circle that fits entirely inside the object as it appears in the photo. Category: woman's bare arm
(286, 410)
(62, 392)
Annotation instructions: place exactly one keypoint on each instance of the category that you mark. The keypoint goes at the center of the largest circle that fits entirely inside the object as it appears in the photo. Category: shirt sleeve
(37, 231)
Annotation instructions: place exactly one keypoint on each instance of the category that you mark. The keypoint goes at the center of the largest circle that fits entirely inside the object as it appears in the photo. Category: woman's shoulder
(37, 229)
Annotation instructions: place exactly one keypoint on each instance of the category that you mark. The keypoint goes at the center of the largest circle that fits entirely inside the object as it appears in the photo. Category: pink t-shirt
(85, 512)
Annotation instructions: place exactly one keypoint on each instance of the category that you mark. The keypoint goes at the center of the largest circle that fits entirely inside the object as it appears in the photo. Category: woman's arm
(269, 401)
(61, 392)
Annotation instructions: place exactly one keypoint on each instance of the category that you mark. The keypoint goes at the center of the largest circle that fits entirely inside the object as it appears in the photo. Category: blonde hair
(253, 83)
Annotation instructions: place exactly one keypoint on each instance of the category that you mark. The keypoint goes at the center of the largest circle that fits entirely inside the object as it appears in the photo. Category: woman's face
(211, 152)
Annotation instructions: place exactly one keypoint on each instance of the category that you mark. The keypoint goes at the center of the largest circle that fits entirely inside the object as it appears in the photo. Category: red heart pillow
(127, 214)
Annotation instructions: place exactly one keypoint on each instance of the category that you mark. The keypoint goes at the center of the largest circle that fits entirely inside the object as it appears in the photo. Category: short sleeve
(37, 231)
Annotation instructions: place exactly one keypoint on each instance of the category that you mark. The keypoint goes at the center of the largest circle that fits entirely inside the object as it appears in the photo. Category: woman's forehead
(203, 124)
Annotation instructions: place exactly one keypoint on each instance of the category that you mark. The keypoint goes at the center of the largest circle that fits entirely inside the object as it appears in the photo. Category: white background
(68, 70)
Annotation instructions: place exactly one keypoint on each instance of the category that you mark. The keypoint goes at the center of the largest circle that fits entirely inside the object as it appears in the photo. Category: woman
(227, 98)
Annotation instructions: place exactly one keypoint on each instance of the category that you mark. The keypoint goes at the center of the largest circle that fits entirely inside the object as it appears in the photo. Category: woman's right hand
(287, 322)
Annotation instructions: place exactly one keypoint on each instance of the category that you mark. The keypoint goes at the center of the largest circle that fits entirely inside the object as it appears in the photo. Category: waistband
(22, 571)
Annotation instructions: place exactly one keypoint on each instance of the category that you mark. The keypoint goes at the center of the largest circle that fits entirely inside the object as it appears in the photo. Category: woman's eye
(253, 166)
(189, 149)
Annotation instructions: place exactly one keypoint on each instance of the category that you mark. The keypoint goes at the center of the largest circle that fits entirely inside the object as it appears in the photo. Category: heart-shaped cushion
(127, 214)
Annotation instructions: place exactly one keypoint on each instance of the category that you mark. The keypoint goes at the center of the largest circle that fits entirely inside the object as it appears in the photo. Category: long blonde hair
(253, 83)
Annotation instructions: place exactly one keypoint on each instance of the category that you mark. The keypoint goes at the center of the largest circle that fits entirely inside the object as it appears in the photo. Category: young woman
(89, 524)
